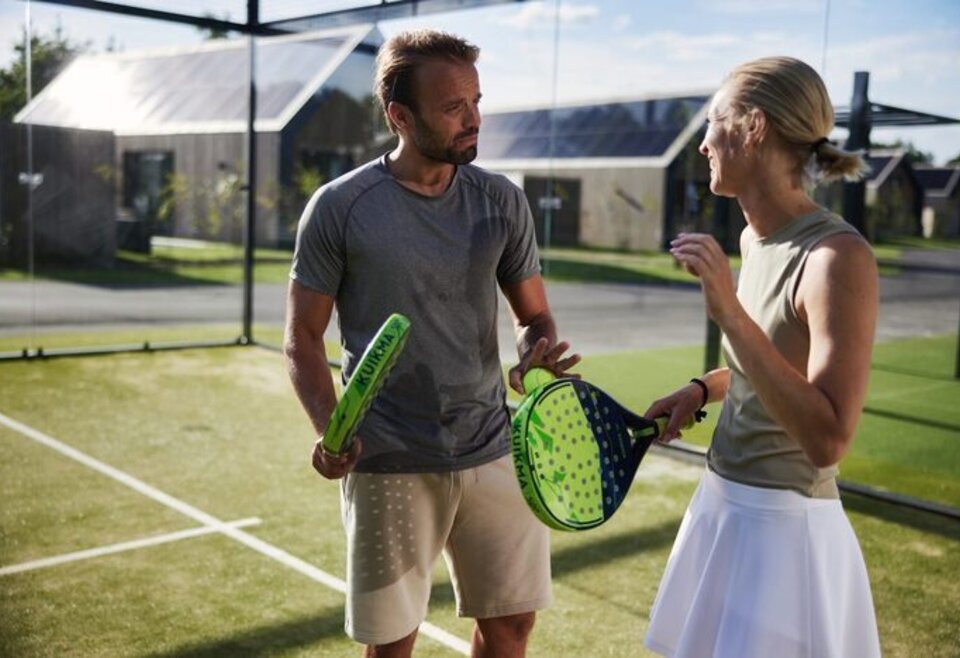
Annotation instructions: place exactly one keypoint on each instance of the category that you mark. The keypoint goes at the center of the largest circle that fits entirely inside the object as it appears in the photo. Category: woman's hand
(701, 255)
(678, 406)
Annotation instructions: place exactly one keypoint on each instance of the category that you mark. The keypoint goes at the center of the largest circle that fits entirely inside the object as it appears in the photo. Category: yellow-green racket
(365, 382)
(576, 450)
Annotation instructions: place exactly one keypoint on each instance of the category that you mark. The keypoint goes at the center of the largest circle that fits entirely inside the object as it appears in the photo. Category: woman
(765, 562)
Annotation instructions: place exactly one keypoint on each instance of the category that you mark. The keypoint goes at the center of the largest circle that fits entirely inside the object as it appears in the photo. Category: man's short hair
(400, 56)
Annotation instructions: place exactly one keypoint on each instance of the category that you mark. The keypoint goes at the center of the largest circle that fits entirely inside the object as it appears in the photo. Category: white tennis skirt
(761, 573)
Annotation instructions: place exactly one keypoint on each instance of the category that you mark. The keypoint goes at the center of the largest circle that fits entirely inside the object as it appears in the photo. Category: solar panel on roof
(934, 179)
(200, 86)
(644, 128)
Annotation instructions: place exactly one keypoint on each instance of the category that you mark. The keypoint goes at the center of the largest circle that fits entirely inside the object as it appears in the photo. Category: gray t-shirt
(379, 248)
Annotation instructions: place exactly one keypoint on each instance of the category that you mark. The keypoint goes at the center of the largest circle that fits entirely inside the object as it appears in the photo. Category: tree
(49, 55)
(913, 154)
(954, 161)
(213, 33)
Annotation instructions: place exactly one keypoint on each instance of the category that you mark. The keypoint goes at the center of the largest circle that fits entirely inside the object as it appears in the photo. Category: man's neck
(415, 172)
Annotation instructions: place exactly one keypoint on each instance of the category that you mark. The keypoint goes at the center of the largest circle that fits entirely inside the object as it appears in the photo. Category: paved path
(595, 318)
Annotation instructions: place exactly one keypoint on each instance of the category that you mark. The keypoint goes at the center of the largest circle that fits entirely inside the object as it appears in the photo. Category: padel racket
(365, 382)
(576, 450)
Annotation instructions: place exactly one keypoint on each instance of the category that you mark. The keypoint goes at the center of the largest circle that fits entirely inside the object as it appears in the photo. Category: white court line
(271, 551)
(119, 548)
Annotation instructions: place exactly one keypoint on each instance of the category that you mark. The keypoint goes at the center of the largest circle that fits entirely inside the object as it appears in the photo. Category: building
(621, 174)
(941, 200)
(626, 173)
(62, 208)
(179, 119)
(893, 196)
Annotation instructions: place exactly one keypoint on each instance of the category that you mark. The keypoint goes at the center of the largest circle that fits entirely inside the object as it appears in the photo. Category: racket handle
(662, 421)
(535, 378)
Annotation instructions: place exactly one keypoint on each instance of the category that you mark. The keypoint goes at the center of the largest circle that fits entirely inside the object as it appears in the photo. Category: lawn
(220, 431)
(610, 264)
(213, 263)
(908, 440)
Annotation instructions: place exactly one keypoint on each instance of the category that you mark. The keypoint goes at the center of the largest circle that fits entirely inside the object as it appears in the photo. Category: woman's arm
(837, 297)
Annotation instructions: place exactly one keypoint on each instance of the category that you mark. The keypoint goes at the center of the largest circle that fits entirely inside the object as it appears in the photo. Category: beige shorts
(496, 551)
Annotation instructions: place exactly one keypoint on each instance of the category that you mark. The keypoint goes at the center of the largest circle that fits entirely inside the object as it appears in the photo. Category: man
(421, 232)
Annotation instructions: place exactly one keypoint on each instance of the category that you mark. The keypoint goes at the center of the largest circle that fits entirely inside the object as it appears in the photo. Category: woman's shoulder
(833, 232)
(843, 255)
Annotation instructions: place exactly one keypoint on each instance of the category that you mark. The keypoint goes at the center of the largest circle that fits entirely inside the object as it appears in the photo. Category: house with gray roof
(893, 196)
(941, 200)
(622, 173)
(627, 174)
(178, 117)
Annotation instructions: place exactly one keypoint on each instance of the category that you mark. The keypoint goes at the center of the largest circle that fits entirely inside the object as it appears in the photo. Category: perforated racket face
(366, 381)
(574, 454)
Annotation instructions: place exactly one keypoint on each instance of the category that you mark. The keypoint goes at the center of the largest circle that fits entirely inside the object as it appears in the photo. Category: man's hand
(331, 465)
(542, 357)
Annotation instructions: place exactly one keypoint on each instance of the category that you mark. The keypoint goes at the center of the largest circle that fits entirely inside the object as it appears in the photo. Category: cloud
(683, 47)
(543, 14)
(622, 23)
(911, 69)
(762, 6)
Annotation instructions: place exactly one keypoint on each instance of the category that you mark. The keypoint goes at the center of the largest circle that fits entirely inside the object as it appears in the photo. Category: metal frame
(170, 17)
(369, 13)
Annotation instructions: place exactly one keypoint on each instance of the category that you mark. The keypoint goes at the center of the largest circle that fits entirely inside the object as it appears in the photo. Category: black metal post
(250, 235)
(859, 138)
(711, 357)
(956, 370)
(721, 230)
(206, 22)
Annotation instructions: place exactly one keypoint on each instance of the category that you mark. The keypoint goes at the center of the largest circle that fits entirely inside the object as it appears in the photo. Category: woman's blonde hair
(400, 56)
(795, 101)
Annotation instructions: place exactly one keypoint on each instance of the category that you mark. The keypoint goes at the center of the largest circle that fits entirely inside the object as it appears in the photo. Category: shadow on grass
(572, 270)
(930, 522)
(625, 545)
(911, 372)
(268, 640)
(915, 420)
(589, 555)
(126, 274)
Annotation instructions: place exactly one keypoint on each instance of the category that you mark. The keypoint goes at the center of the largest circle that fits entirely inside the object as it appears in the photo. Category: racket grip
(535, 378)
(662, 421)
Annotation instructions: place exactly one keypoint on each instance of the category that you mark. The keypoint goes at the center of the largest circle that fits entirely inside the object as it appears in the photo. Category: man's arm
(536, 331)
(308, 314)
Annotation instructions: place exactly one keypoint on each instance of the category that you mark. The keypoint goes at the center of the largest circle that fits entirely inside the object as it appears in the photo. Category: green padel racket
(365, 382)
(576, 450)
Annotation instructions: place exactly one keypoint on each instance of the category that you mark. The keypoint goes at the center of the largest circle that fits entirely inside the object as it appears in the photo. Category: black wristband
(703, 389)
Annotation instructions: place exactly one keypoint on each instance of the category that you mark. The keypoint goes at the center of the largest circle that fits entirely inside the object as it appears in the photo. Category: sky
(535, 53)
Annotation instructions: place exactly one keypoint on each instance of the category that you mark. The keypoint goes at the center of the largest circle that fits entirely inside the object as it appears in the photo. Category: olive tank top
(747, 445)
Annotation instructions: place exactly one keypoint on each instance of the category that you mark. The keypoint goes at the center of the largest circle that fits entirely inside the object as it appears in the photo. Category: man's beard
(430, 146)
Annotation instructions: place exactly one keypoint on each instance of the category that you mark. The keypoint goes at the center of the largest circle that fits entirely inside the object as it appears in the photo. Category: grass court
(162, 504)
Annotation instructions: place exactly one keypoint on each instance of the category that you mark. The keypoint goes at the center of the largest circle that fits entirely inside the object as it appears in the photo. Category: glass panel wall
(122, 213)
(124, 184)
